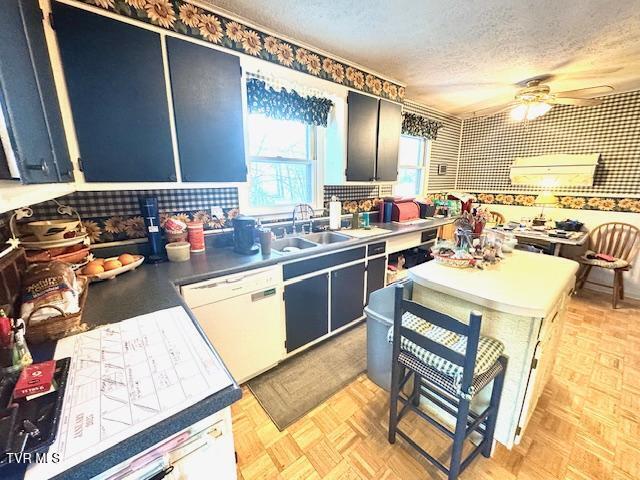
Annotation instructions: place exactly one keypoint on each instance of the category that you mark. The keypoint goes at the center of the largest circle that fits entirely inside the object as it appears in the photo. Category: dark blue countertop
(153, 287)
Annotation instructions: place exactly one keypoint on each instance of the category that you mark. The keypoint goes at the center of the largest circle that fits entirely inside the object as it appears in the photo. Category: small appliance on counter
(151, 215)
(426, 209)
(244, 235)
(405, 210)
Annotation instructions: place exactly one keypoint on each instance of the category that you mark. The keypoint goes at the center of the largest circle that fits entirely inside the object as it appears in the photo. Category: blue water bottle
(149, 207)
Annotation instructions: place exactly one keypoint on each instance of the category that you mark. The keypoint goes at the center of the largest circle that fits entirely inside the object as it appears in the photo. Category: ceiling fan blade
(586, 92)
(490, 111)
(582, 102)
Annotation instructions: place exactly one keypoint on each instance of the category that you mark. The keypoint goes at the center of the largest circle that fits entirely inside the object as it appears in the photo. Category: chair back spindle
(620, 240)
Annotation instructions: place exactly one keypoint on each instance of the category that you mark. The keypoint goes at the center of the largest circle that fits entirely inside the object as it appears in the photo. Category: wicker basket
(60, 326)
(453, 262)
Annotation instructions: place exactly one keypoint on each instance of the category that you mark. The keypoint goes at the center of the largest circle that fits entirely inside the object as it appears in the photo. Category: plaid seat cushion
(617, 263)
(445, 382)
(489, 349)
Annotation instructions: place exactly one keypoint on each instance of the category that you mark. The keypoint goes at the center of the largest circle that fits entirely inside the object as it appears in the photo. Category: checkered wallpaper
(356, 192)
(612, 129)
(444, 150)
(125, 202)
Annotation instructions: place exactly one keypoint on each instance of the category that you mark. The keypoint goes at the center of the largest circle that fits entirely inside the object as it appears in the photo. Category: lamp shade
(546, 198)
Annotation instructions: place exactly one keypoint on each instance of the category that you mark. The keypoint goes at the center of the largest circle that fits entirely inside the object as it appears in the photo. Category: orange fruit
(98, 261)
(126, 259)
(92, 269)
(111, 265)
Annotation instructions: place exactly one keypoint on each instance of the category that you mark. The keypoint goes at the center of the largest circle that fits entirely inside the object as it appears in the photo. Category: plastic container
(379, 314)
(178, 251)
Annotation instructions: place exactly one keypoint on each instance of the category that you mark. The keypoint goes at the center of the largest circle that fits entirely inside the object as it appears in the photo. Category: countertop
(523, 283)
(153, 287)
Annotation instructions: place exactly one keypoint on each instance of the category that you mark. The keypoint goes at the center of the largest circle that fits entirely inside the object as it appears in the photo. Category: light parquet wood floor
(585, 427)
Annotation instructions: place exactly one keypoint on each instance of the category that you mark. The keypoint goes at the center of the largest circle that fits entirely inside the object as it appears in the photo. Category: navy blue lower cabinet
(347, 295)
(115, 79)
(376, 272)
(306, 310)
(28, 97)
(207, 102)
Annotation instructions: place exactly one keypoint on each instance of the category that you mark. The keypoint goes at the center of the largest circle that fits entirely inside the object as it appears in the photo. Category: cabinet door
(362, 137)
(376, 272)
(306, 310)
(115, 78)
(207, 101)
(389, 129)
(28, 97)
(347, 295)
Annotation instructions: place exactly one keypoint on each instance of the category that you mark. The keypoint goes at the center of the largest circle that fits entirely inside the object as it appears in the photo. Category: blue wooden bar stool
(450, 362)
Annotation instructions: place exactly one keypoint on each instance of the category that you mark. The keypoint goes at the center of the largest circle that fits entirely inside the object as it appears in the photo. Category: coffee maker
(244, 235)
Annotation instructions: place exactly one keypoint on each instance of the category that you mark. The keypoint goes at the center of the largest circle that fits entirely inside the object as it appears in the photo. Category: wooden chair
(497, 218)
(621, 241)
(448, 373)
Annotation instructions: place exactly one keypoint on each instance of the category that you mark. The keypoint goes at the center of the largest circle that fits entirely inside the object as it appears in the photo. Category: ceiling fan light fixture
(537, 109)
(519, 112)
(529, 111)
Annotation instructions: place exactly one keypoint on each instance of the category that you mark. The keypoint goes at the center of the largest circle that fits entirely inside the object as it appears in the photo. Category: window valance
(286, 104)
(420, 126)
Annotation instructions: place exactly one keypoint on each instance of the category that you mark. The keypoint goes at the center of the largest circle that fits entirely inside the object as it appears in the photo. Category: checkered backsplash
(444, 150)
(356, 192)
(612, 129)
(125, 202)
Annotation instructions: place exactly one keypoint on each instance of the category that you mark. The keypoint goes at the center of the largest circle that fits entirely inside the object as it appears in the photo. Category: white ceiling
(462, 55)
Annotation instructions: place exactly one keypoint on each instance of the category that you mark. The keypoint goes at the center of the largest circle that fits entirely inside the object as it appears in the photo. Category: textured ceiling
(461, 55)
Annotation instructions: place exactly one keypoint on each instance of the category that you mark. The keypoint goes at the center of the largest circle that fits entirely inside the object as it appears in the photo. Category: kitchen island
(523, 300)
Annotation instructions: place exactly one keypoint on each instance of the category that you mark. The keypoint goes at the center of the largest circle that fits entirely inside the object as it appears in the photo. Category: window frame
(314, 147)
(423, 167)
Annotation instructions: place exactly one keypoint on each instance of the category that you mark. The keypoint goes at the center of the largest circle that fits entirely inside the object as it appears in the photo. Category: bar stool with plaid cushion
(450, 362)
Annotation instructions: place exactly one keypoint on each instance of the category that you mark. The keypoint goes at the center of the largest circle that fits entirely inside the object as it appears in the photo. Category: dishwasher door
(244, 321)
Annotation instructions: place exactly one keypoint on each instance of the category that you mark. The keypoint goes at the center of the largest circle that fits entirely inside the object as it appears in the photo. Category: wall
(612, 129)
(444, 150)
(591, 219)
(115, 215)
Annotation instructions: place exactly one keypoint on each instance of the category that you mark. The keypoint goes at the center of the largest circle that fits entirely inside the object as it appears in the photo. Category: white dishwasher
(242, 315)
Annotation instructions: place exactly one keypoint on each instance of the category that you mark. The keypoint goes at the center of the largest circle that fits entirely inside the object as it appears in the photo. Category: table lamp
(545, 199)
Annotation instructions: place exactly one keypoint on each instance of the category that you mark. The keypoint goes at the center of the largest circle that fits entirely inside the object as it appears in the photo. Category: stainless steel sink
(291, 244)
(324, 238)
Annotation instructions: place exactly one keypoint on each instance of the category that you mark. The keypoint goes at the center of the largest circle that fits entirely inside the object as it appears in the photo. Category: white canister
(178, 251)
(335, 213)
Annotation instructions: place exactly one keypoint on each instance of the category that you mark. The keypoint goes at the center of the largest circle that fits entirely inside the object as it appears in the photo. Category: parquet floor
(586, 425)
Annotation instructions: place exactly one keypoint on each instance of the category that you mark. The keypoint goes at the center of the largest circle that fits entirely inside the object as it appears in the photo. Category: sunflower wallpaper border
(188, 19)
(605, 204)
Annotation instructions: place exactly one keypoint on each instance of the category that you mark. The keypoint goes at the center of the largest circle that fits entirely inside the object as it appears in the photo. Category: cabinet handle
(39, 167)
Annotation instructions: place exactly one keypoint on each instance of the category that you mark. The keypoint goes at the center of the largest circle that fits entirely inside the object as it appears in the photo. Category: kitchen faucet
(305, 210)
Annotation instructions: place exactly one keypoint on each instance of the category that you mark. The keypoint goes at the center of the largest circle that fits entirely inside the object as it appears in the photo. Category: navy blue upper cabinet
(28, 97)
(115, 79)
(373, 138)
(207, 102)
(361, 137)
(389, 130)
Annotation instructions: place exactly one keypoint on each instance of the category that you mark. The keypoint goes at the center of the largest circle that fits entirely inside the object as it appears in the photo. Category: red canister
(196, 236)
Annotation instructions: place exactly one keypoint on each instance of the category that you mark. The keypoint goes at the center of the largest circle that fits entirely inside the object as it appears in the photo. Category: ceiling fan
(536, 99)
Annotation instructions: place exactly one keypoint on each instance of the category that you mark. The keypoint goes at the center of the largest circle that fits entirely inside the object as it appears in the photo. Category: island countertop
(523, 283)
